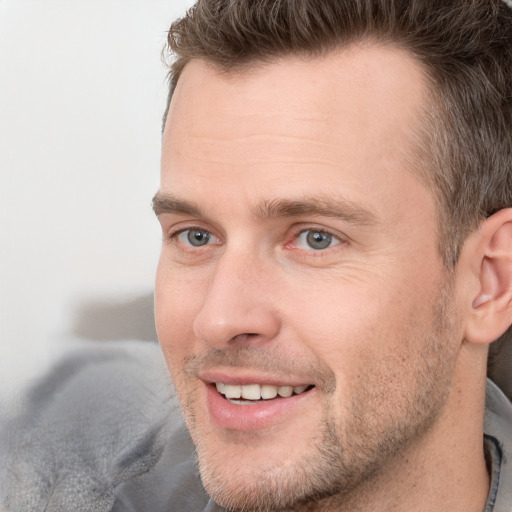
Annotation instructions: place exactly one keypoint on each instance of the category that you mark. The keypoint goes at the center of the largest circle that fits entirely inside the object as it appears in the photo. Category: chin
(262, 487)
(251, 474)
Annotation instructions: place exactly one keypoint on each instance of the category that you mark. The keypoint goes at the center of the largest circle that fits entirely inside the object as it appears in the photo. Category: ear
(490, 257)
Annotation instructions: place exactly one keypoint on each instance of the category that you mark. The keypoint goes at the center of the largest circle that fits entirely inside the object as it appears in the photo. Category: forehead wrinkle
(277, 148)
(339, 208)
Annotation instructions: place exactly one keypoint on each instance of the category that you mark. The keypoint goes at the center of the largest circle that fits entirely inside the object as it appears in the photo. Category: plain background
(82, 92)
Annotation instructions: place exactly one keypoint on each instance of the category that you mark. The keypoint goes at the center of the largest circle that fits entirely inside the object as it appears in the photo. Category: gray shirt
(103, 432)
(498, 444)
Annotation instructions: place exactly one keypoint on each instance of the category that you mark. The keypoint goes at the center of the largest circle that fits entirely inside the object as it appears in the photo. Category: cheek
(177, 301)
(355, 327)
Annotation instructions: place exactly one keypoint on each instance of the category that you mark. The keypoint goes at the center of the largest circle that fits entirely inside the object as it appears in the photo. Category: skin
(259, 159)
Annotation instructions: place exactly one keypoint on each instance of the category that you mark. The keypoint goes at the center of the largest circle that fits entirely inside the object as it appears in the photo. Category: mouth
(238, 401)
(252, 394)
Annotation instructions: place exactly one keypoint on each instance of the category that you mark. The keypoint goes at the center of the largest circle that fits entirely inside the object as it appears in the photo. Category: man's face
(300, 270)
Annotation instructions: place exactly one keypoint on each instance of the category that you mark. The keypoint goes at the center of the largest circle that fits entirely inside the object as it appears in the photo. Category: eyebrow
(339, 208)
(166, 203)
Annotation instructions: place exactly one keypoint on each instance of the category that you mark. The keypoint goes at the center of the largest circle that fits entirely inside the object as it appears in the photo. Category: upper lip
(242, 378)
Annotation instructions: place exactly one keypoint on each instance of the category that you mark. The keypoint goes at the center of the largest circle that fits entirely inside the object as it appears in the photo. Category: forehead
(295, 122)
(362, 78)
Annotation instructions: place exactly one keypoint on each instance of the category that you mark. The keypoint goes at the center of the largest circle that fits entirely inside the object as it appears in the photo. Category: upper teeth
(255, 391)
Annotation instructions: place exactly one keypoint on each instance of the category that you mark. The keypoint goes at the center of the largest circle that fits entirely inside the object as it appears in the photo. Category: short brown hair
(465, 47)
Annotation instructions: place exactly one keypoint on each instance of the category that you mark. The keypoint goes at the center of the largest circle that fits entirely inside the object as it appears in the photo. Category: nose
(238, 305)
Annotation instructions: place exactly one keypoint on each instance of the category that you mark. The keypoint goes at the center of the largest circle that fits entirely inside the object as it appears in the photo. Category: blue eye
(194, 237)
(316, 240)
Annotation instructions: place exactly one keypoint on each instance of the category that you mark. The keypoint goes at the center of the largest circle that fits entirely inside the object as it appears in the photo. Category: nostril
(240, 338)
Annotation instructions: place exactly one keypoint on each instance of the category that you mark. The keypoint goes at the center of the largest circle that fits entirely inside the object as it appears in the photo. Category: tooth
(285, 391)
(231, 391)
(268, 391)
(251, 392)
(255, 391)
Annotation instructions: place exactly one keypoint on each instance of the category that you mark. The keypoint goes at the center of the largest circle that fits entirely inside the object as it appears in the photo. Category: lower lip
(253, 416)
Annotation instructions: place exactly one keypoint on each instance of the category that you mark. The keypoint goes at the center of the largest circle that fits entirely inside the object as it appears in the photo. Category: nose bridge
(236, 302)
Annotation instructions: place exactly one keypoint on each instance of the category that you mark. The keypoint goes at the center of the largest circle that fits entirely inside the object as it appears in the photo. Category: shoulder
(105, 418)
(498, 431)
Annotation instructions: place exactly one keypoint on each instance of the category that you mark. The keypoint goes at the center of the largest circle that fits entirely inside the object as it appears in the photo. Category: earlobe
(491, 308)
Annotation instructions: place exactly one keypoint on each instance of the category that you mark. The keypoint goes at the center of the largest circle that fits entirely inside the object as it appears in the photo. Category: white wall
(82, 91)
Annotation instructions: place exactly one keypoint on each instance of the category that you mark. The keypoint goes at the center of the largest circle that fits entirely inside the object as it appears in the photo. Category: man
(337, 258)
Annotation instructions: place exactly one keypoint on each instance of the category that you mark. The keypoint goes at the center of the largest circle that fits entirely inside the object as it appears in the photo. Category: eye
(195, 237)
(316, 240)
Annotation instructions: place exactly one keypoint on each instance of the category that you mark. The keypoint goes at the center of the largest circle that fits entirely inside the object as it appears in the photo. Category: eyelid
(340, 237)
(171, 234)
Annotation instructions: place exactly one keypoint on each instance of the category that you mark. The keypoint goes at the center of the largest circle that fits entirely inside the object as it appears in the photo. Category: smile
(240, 405)
(243, 394)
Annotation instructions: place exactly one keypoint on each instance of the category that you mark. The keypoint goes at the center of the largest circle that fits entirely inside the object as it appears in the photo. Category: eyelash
(173, 236)
(315, 230)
